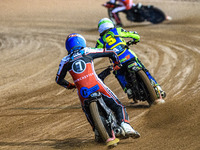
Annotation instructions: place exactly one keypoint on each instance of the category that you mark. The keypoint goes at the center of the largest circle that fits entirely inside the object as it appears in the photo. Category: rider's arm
(102, 75)
(112, 1)
(62, 71)
(99, 44)
(128, 34)
(96, 53)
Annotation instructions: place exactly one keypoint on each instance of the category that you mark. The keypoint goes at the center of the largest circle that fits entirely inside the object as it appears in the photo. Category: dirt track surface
(37, 114)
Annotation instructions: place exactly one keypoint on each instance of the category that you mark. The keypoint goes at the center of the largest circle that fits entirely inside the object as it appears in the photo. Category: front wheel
(151, 91)
(97, 121)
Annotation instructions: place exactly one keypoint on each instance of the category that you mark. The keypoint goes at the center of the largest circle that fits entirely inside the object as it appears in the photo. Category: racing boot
(129, 131)
(159, 91)
(168, 18)
(129, 93)
(162, 93)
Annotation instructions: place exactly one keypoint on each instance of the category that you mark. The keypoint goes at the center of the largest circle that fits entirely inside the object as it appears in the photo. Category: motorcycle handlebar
(131, 42)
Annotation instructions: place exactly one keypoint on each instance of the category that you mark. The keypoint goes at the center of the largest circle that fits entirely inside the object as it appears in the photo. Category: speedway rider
(112, 38)
(123, 5)
(79, 63)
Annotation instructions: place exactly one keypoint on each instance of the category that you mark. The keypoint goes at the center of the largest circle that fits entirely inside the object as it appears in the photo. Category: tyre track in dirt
(27, 58)
(175, 56)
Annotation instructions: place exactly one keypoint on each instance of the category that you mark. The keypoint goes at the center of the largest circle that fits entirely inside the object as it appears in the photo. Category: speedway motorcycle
(104, 120)
(102, 116)
(140, 13)
(142, 88)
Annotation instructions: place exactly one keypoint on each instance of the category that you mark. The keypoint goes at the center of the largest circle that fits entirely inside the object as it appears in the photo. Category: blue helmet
(74, 41)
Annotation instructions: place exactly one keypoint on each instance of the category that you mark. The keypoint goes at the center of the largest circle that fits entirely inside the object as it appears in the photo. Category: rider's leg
(121, 116)
(119, 75)
(129, 131)
(117, 19)
(116, 106)
(116, 15)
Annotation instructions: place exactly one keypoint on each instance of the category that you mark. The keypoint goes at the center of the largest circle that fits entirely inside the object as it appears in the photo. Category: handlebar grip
(130, 42)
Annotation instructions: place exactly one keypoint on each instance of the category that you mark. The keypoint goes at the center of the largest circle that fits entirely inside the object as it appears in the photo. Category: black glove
(134, 42)
(117, 66)
(71, 86)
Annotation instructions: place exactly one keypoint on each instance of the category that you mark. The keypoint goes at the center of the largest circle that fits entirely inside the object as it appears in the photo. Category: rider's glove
(71, 86)
(135, 41)
(117, 66)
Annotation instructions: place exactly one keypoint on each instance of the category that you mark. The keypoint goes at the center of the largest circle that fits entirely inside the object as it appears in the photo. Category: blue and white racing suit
(113, 39)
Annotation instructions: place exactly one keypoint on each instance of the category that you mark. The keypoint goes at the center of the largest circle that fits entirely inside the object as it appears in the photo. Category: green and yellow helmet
(105, 24)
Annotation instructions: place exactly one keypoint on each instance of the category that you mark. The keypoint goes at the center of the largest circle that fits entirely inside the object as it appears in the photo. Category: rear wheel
(151, 91)
(97, 121)
(156, 15)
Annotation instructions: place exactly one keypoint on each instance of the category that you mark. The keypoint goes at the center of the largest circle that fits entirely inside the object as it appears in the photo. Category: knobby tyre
(156, 15)
(152, 93)
(97, 121)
